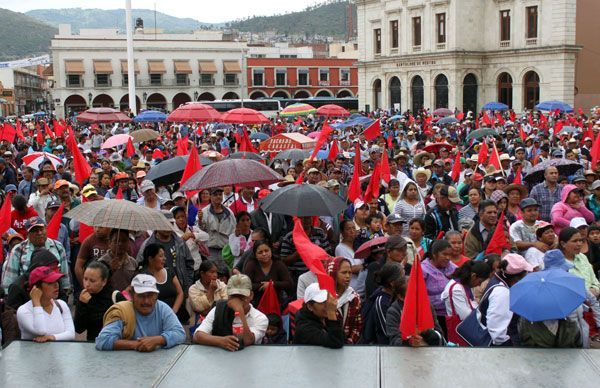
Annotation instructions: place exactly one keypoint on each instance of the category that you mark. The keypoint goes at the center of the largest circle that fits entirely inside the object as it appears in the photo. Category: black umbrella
(303, 201)
(479, 133)
(246, 155)
(564, 166)
(171, 170)
(294, 155)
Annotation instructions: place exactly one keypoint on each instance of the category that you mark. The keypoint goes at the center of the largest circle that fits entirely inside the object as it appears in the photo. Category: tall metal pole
(244, 74)
(130, 61)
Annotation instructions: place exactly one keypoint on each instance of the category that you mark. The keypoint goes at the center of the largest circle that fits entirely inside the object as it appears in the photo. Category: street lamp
(196, 95)
(90, 99)
(145, 96)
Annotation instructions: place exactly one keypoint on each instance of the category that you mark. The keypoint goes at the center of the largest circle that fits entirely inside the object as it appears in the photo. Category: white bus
(269, 108)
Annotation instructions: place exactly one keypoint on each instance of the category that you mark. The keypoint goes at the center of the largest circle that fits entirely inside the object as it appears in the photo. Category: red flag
(119, 193)
(500, 118)
(269, 302)
(8, 133)
(5, 214)
(82, 168)
(58, 128)
(477, 122)
(595, 151)
(389, 140)
(20, 131)
(323, 136)
(580, 111)
(312, 255)
(416, 314)
(518, 177)
(499, 242)
(54, 225)
(182, 146)
(512, 115)
(588, 133)
(386, 175)
(354, 190)
(192, 166)
(459, 116)
(157, 154)
(456, 168)
(558, 127)
(483, 154)
(130, 150)
(530, 119)
(372, 190)
(487, 120)
(48, 131)
(246, 144)
(39, 137)
(333, 151)
(543, 121)
(373, 131)
(495, 158)
(522, 134)
(300, 178)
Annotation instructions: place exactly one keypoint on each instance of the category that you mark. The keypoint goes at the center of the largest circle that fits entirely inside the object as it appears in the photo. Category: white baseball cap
(143, 283)
(578, 222)
(314, 293)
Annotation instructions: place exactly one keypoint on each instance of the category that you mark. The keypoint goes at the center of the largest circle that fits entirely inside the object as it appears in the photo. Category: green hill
(328, 19)
(114, 18)
(22, 36)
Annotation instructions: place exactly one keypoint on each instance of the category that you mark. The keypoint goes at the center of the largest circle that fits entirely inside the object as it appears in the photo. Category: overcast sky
(197, 9)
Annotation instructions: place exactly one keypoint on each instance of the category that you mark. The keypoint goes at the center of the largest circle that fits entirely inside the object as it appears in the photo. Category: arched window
(531, 89)
(395, 92)
(505, 91)
(417, 96)
(470, 93)
(377, 94)
(441, 91)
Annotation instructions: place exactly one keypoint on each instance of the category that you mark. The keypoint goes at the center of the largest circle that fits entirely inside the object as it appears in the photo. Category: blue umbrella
(259, 136)
(39, 114)
(494, 105)
(447, 120)
(151, 116)
(554, 105)
(396, 117)
(545, 295)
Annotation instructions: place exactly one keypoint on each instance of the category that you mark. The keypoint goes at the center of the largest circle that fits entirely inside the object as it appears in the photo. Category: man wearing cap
(216, 328)
(520, 154)
(219, 222)
(443, 217)
(523, 232)
(439, 176)
(149, 198)
(143, 324)
(122, 182)
(20, 257)
(62, 189)
(63, 231)
(314, 176)
(90, 193)
(39, 199)
(547, 193)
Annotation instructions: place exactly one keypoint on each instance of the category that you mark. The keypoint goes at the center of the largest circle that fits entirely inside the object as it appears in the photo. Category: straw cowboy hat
(418, 159)
(421, 170)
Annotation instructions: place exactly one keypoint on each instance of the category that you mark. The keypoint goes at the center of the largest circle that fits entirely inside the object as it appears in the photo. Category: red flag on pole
(182, 146)
(482, 157)
(323, 136)
(522, 134)
(333, 151)
(269, 302)
(8, 133)
(386, 175)
(246, 144)
(456, 168)
(300, 179)
(595, 151)
(82, 168)
(58, 128)
(495, 158)
(372, 190)
(459, 116)
(20, 131)
(312, 255)
(373, 131)
(487, 120)
(5, 214)
(354, 190)
(518, 178)
(499, 242)
(48, 130)
(192, 166)
(512, 115)
(130, 150)
(54, 225)
(477, 122)
(416, 314)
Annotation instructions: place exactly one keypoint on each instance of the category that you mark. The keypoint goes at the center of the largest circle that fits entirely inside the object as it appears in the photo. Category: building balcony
(231, 82)
(324, 83)
(416, 49)
(103, 84)
(163, 83)
(531, 42)
(504, 43)
(345, 83)
(440, 46)
(75, 85)
(207, 82)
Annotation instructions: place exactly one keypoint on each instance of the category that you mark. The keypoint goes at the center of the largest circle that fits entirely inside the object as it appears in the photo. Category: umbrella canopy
(494, 105)
(554, 105)
(436, 147)
(396, 117)
(447, 120)
(246, 155)
(259, 136)
(150, 116)
(171, 170)
(545, 295)
(244, 116)
(293, 154)
(120, 214)
(332, 110)
(565, 167)
(314, 135)
(568, 129)
(116, 140)
(365, 249)
(194, 112)
(479, 133)
(303, 201)
(212, 154)
(39, 114)
(103, 115)
(298, 109)
(144, 134)
(36, 159)
(442, 112)
(232, 172)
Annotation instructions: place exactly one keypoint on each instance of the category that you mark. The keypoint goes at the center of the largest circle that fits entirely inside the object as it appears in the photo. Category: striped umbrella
(35, 159)
(119, 214)
(298, 109)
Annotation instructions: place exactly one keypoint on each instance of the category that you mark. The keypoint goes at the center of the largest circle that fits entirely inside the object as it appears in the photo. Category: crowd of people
(440, 201)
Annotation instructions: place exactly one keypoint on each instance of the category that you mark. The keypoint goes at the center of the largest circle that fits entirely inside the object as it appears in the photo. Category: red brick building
(302, 77)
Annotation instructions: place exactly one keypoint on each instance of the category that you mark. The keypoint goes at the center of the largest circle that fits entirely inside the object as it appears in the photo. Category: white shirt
(35, 322)
(499, 315)
(257, 322)
(462, 304)
(535, 257)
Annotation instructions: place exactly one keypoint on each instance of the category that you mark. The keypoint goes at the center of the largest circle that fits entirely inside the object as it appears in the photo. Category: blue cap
(554, 258)
(394, 218)
(10, 188)
(33, 222)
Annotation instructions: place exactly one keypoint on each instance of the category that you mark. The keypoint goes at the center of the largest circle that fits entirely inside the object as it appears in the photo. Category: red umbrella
(436, 147)
(232, 172)
(332, 110)
(365, 249)
(103, 115)
(244, 116)
(442, 112)
(194, 112)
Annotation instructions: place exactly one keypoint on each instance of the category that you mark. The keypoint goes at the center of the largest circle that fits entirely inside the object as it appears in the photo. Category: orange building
(301, 77)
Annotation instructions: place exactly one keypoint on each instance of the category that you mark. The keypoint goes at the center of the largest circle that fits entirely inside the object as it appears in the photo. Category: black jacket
(88, 316)
(437, 220)
(311, 331)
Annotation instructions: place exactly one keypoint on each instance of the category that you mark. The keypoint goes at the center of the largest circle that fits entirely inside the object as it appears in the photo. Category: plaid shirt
(317, 236)
(353, 324)
(546, 199)
(19, 259)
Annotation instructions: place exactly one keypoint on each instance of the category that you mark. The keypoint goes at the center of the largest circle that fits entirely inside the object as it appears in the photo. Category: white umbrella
(35, 160)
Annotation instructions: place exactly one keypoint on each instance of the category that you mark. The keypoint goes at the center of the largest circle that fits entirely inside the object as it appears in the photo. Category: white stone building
(464, 53)
(90, 69)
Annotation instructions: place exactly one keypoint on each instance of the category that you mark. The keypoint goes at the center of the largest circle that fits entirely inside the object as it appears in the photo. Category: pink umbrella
(314, 135)
(103, 115)
(35, 159)
(244, 116)
(116, 140)
(332, 110)
(194, 112)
